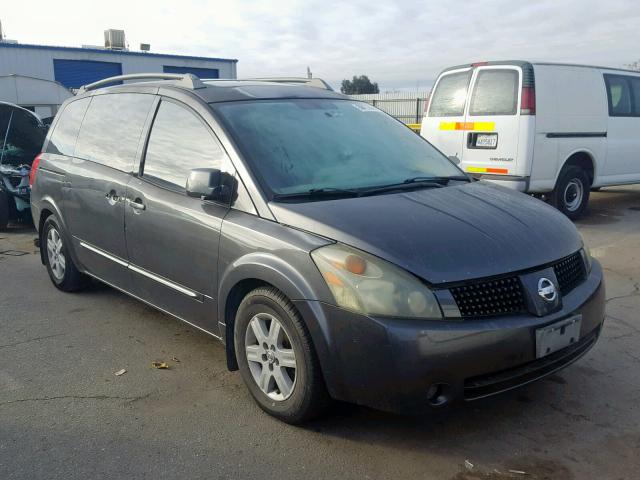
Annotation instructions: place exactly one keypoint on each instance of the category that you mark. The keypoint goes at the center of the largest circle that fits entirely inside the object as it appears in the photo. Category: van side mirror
(208, 184)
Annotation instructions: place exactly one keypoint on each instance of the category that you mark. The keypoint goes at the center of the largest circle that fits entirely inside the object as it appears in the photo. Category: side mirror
(208, 184)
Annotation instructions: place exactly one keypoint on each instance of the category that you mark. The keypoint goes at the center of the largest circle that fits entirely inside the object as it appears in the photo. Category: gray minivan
(334, 252)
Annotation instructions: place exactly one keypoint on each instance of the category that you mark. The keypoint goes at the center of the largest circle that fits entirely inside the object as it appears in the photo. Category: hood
(443, 235)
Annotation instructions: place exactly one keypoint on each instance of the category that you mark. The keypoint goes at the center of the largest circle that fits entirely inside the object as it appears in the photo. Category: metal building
(73, 66)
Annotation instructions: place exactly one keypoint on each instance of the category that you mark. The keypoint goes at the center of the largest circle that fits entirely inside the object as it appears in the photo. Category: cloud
(398, 44)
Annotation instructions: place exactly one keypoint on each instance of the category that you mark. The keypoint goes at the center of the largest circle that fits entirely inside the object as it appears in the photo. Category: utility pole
(309, 74)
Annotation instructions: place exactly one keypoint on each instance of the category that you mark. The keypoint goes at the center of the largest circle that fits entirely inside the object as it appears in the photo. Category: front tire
(62, 271)
(276, 357)
(571, 194)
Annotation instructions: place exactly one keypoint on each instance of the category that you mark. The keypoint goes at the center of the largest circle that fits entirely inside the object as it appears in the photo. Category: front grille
(492, 383)
(495, 297)
(570, 272)
(506, 296)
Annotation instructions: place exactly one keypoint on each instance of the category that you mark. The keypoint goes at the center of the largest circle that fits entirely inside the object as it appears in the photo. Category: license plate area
(482, 140)
(557, 336)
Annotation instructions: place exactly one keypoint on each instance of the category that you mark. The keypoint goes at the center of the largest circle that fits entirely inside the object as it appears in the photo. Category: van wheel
(276, 357)
(571, 194)
(4, 211)
(63, 272)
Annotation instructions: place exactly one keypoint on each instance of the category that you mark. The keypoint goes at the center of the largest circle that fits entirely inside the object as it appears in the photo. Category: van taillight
(528, 101)
(34, 169)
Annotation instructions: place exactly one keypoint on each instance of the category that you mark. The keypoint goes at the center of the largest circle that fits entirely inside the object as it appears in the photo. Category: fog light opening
(437, 395)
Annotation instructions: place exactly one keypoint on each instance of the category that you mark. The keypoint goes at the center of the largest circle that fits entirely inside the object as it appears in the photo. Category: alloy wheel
(57, 260)
(270, 355)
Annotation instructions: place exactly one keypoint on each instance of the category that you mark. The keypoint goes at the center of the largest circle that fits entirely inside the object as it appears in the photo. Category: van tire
(571, 194)
(4, 211)
(309, 397)
(68, 278)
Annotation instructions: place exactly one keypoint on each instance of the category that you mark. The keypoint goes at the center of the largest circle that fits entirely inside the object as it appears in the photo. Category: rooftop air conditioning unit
(114, 39)
(145, 47)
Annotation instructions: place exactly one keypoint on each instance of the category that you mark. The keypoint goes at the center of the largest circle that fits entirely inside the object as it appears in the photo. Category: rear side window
(63, 138)
(111, 129)
(621, 91)
(450, 95)
(495, 93)
(179, 142)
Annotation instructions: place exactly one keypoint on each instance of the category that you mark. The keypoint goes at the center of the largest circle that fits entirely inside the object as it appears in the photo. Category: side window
(111, 129)
(63, 138)
(495, 93)
(179, 142)
(23, 139)
(618, 95)
(450, 95)
(635, 94)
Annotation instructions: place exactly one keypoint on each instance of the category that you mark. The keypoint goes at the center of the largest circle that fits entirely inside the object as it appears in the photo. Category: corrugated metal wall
(75, 73)
(198, 72)
(408, 107)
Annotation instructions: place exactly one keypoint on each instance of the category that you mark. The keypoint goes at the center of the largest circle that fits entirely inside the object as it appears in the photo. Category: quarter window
(65, 133)
(495, 93)
(450, 95)
(179, 142)
(111, 129)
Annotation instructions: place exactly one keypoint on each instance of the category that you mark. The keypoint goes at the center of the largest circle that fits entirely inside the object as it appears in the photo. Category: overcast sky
(402, 44)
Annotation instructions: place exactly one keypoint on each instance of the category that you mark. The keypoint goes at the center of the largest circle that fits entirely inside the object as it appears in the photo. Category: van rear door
(447, 112)
(492, 121)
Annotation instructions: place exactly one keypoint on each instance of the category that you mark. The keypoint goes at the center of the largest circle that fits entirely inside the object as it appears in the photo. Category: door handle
(136, 204)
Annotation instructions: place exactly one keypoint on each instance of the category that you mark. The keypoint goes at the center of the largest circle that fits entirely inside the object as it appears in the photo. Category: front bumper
(390, 364)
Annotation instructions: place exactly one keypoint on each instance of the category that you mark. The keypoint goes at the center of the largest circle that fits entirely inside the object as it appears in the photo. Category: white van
(541, 128)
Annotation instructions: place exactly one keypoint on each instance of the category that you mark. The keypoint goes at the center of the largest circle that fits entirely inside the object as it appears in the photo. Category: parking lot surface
(64, 414)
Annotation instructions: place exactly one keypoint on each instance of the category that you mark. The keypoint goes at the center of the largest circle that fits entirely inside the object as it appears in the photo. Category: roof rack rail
(310, 82)
(187, 80)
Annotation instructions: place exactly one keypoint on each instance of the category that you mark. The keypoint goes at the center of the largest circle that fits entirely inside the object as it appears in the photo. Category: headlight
(369, 285)
(586, 254)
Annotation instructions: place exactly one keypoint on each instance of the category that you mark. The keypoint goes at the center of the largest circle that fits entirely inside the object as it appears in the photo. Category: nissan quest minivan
(336, 254)
(551, 130)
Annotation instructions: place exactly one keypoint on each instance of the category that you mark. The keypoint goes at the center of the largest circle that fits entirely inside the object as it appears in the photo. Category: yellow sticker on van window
(476, 126)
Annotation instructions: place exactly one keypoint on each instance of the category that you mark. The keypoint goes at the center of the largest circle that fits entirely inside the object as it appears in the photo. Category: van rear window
(450, 95)
(495, 93)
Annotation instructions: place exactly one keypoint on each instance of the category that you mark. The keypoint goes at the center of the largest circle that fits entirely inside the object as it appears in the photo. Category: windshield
(309, 144)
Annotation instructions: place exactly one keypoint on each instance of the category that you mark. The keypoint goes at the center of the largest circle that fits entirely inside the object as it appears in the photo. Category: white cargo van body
(539, 127)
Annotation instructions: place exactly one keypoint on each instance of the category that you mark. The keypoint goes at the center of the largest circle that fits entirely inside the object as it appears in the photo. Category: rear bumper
(521, 184)
(390, 364)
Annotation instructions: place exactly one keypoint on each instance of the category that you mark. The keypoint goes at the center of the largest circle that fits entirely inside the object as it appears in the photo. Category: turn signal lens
(355, 264)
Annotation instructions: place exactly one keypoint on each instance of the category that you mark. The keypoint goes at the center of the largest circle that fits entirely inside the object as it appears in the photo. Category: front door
(97, 180)
(172, 239)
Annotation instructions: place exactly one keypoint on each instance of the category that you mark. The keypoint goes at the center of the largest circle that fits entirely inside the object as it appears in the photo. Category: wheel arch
(256, 270)
(583, 158)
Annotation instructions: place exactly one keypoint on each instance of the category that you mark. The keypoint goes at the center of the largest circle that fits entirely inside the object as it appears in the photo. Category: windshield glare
(298, 145)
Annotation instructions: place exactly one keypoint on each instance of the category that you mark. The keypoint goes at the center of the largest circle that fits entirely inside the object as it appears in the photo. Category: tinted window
(495, 93)
(450, 95)
(111, 129)
(63, 138)
(635, 94)
(179, 142)
(23, 139)
(619, 96)
(298, 145)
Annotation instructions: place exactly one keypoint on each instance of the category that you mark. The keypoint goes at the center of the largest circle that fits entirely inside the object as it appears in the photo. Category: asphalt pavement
(64, 414)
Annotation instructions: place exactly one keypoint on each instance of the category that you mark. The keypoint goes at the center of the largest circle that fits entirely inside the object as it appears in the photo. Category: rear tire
(4, 211)
(63, 272)
(277, 361)
(571, 194)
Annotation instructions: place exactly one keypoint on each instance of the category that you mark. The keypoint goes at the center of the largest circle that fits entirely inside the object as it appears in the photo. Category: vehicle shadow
(610, 205)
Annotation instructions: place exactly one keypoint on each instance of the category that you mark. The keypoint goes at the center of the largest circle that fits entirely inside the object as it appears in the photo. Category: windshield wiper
(318, 193)
(440, 180)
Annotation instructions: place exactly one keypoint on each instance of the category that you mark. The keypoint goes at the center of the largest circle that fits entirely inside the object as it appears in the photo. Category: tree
(359, 85)
(634, 66)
